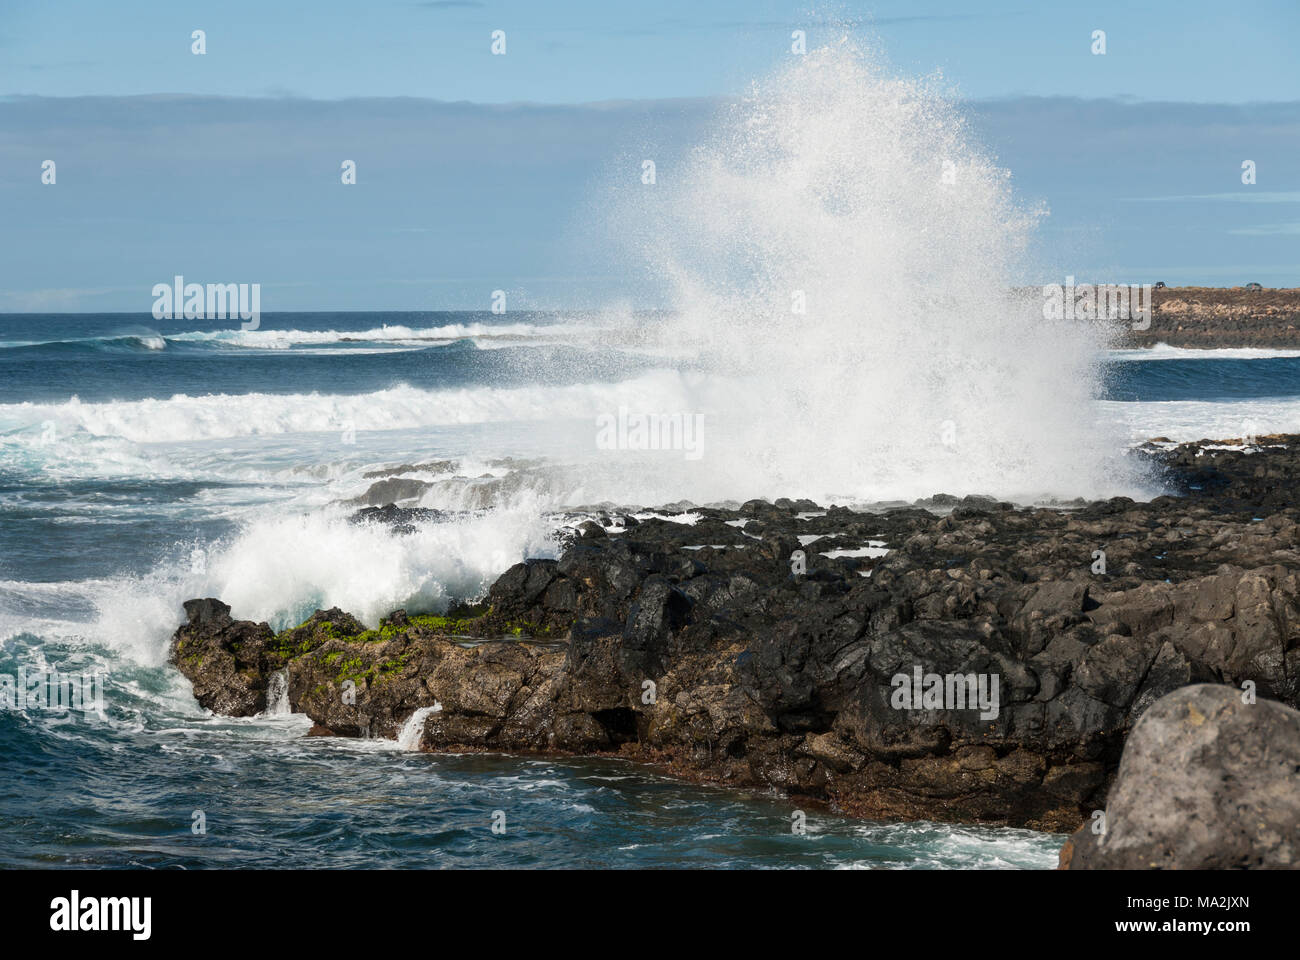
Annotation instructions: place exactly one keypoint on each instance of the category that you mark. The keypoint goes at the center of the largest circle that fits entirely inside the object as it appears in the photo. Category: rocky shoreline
(956, 660)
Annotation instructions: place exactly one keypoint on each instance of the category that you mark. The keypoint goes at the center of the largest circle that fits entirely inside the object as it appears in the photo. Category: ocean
(144, 462)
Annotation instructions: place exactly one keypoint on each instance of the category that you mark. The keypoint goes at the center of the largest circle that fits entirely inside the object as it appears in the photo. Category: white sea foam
(923, 845)
(277, 694)
(1184, 420)
(267, 439)
(1162, 351)
(181, 417)
(271, 339)
(279, 568)
(412, 732)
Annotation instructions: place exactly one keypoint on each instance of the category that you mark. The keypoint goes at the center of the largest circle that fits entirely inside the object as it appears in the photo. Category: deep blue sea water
(143, 462)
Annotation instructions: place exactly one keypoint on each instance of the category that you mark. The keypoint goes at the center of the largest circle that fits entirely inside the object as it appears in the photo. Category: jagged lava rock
(702, 646)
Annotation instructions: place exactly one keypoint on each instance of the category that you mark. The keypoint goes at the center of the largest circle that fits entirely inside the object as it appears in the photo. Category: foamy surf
(1186, 420)
(273, 339)
(1163, 351)
(181, 418)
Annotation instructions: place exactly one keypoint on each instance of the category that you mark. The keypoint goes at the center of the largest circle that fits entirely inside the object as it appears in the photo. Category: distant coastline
(1215, 317)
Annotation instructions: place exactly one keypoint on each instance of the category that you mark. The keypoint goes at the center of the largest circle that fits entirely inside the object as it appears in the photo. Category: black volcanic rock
(399, 519)
(746, 655)
(223, 658)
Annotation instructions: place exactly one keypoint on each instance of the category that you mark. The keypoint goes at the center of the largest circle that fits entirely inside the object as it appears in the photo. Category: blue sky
(576, 51)
(480, 171)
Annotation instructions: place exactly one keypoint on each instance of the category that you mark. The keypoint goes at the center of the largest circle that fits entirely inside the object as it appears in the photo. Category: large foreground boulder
(1207, 782)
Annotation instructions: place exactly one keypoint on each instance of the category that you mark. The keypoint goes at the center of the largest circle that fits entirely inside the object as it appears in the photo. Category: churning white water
(277, 694)
(842, 254)
(408, 738)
